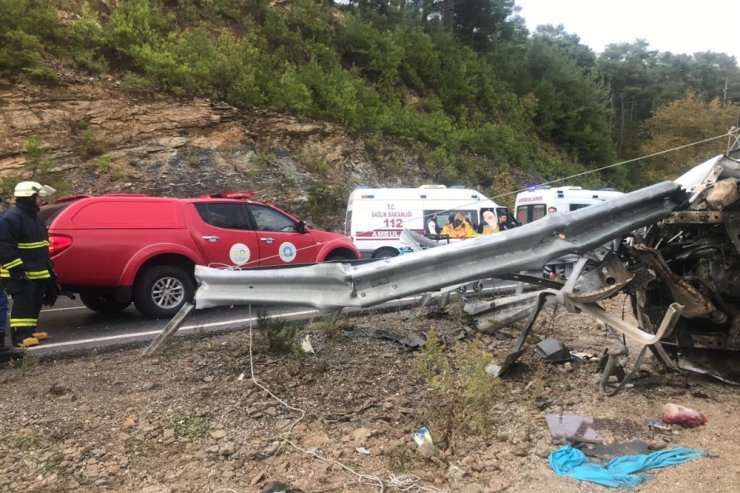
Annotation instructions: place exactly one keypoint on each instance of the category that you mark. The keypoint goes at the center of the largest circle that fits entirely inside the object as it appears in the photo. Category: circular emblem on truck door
(239, 253)
(287, 252)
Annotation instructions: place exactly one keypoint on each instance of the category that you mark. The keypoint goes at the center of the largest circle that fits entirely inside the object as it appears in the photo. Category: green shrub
(87, 39)
(333, 326)
(40, 167)
(88, 143)
(24, 26)
(104, 163)
(464, 392)
(275, 335)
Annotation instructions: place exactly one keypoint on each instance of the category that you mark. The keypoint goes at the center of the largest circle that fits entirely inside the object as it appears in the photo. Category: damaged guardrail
(333, 286)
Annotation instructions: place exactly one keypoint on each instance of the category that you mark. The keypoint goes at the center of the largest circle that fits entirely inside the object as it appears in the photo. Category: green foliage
(275, 336)
(88, 144)
(464, 391)
(325, 199)
(333, 326)
(104, 163)
(24, 26)
(37, 161)
(39, 166)
(25, 442)
(682, 122)
(460, 78)
(87, 39)
(192, 427)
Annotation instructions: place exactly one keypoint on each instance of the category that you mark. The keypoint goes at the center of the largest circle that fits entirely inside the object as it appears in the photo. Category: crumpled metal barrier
(333, 286)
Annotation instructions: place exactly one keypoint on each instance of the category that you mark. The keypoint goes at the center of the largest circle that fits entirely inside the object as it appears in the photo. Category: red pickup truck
(115, 249)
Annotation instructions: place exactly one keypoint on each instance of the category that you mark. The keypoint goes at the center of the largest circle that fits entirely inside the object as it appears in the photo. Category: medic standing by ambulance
(26, 271)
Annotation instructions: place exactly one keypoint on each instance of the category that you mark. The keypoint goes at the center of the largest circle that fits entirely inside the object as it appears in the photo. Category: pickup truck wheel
(103, 302)
(160, 291)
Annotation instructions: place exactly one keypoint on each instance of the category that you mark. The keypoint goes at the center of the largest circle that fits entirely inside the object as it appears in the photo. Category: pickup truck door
(225, 236)
(281, 241)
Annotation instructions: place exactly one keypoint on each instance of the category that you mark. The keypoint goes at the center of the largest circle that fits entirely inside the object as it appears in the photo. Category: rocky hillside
(99, 140)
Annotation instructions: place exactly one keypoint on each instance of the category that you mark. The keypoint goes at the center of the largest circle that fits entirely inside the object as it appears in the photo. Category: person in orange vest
(461, 227)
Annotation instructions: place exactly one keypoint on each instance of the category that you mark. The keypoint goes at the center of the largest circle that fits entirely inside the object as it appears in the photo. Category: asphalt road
(74, 329)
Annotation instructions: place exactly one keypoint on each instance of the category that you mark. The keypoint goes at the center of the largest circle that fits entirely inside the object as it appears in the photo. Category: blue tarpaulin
(620, 471)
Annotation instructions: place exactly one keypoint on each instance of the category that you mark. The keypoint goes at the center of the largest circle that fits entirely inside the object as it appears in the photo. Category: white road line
(154, 332)
(46, 310)
(194, 326)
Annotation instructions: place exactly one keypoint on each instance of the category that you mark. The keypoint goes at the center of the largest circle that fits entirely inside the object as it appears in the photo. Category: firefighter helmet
(31, 188)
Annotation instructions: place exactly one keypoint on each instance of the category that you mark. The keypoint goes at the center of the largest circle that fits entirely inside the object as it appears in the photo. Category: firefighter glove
(18, 274)
(51, 294)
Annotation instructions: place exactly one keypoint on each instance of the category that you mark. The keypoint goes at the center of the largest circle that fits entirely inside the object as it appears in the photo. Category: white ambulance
(534, 204)
(377, 216)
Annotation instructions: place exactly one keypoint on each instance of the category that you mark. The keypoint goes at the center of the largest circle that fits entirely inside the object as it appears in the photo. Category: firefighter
(26, 271)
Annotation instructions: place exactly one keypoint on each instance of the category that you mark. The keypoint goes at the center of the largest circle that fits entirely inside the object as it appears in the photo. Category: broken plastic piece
(633, 447)
(410, 341)
(493, 369)
(573, 428)
(422, 436)
(306, 346)
(657, 425)
(552, 351)
(580, 355)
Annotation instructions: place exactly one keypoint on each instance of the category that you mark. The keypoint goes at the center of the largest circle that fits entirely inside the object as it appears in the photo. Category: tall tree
(627, 67)
(685, 121)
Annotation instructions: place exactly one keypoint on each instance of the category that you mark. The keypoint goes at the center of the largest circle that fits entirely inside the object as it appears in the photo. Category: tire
(338, 257)
(103, 302)
(161, 290)
(385, 253)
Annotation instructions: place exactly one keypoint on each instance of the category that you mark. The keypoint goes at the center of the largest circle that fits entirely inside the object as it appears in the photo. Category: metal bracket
(635, 333)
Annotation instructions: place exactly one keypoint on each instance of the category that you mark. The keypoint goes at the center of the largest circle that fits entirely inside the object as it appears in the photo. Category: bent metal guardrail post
(333, 286)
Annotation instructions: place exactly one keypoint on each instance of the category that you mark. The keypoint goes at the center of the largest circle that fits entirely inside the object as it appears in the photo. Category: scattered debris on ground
(358, 412)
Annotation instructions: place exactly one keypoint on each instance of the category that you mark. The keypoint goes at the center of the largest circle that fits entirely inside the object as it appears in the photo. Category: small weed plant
(275, 335)
(191, 426)
(104, 163)
(333, 326)
(463, 389)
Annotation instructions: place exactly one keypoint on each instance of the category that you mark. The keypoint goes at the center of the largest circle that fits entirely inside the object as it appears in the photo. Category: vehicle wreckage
(673, 248)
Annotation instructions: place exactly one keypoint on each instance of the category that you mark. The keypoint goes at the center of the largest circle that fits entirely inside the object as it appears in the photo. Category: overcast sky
(678, 26)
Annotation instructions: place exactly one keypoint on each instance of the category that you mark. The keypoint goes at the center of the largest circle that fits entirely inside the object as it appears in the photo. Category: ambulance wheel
(386, 253)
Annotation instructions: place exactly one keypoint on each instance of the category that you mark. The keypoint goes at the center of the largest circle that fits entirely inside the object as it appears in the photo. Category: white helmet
(31, 188)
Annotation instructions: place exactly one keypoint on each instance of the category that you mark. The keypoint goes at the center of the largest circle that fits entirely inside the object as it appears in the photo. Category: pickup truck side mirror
(301, 227)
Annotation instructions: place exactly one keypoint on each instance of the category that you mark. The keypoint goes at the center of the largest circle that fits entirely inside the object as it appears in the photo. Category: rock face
(103, 140)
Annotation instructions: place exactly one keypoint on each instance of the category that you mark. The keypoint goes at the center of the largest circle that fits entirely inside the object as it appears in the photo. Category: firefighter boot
(22, 338)
(28, 342)
(40, 335)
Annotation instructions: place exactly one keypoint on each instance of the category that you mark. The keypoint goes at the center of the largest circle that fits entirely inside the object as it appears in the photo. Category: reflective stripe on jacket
(24, 243)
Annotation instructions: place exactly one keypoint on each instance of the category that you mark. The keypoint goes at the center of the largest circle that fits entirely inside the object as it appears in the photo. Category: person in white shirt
(432, 226)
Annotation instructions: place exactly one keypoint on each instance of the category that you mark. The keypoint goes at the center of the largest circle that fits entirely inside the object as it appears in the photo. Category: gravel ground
(192, 419)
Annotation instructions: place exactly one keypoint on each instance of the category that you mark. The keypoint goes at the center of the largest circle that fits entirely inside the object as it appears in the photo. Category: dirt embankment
(103, 140)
